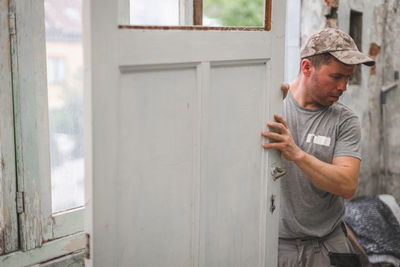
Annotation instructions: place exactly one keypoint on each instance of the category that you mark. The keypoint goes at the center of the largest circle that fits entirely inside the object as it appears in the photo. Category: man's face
(329, 82)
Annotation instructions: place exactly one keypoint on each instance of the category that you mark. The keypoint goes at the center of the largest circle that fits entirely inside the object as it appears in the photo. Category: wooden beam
(198, 12)
(268, 15)
(191, 28)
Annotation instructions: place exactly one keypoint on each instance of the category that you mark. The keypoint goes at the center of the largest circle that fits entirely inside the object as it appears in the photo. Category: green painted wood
(68, 222)
(8, 213)
(25, 163)
(32, 131)
(74, 260)
(31, 123)
(50, 250)
(28, 224)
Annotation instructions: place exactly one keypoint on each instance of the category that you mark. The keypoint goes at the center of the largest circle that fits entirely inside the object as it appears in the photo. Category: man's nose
(342, 86)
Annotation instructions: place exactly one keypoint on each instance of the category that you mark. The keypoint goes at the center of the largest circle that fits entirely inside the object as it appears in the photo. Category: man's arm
(339, 178)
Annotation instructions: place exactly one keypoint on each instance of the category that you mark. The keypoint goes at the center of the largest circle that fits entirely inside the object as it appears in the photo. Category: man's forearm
(339, 178)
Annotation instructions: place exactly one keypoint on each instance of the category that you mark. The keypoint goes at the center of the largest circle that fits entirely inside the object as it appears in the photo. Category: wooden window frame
(197, 20)
(8, 190)
(40, 234)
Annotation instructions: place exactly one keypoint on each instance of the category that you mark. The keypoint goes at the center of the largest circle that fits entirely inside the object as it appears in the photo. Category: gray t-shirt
(328, 132)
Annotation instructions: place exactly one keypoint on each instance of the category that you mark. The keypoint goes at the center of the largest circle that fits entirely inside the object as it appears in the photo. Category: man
(320, 141)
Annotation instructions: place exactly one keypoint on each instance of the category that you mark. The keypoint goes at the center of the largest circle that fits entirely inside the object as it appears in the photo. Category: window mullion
(186, 8)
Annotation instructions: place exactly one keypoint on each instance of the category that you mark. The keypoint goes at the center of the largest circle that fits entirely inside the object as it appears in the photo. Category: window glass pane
(63, 20)
(154, 12)
(233, 13)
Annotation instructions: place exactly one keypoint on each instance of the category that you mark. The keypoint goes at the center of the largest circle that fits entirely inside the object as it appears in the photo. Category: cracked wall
(380, 169)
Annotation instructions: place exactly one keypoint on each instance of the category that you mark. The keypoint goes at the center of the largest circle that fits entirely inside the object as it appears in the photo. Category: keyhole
(272, 204)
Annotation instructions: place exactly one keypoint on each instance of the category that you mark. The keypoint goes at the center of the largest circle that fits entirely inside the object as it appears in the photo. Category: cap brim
(353, 58)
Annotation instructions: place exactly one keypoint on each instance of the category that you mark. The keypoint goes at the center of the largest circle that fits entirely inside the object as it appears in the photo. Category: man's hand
(284, 88)
(283, 139)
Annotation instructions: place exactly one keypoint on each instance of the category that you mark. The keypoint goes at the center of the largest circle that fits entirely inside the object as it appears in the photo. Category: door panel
(156, 178)
(232, 193)
(176, 174)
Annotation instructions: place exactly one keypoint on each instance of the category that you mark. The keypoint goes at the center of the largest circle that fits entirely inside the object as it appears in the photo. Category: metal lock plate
(277, 172)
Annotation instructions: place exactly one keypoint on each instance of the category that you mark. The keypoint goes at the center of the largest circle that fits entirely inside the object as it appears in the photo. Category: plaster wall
(380, 169)
(389, 62)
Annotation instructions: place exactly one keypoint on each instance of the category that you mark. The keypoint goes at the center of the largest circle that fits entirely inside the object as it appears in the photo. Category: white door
(176, 173)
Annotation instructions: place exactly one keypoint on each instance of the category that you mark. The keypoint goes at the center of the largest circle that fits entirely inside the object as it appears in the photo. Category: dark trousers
(334, 249)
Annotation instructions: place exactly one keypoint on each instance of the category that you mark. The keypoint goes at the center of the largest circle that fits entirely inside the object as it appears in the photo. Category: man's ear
(306, 67)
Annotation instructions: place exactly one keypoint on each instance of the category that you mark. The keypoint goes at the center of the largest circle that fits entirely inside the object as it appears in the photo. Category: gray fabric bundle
(376, 222)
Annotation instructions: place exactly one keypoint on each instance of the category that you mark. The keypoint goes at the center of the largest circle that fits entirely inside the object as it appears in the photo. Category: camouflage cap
(338, 44)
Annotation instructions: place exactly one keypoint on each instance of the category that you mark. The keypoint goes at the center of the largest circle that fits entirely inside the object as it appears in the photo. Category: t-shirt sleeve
(348, 141)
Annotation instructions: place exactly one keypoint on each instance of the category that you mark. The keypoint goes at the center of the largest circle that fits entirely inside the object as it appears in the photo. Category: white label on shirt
(318, 139)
